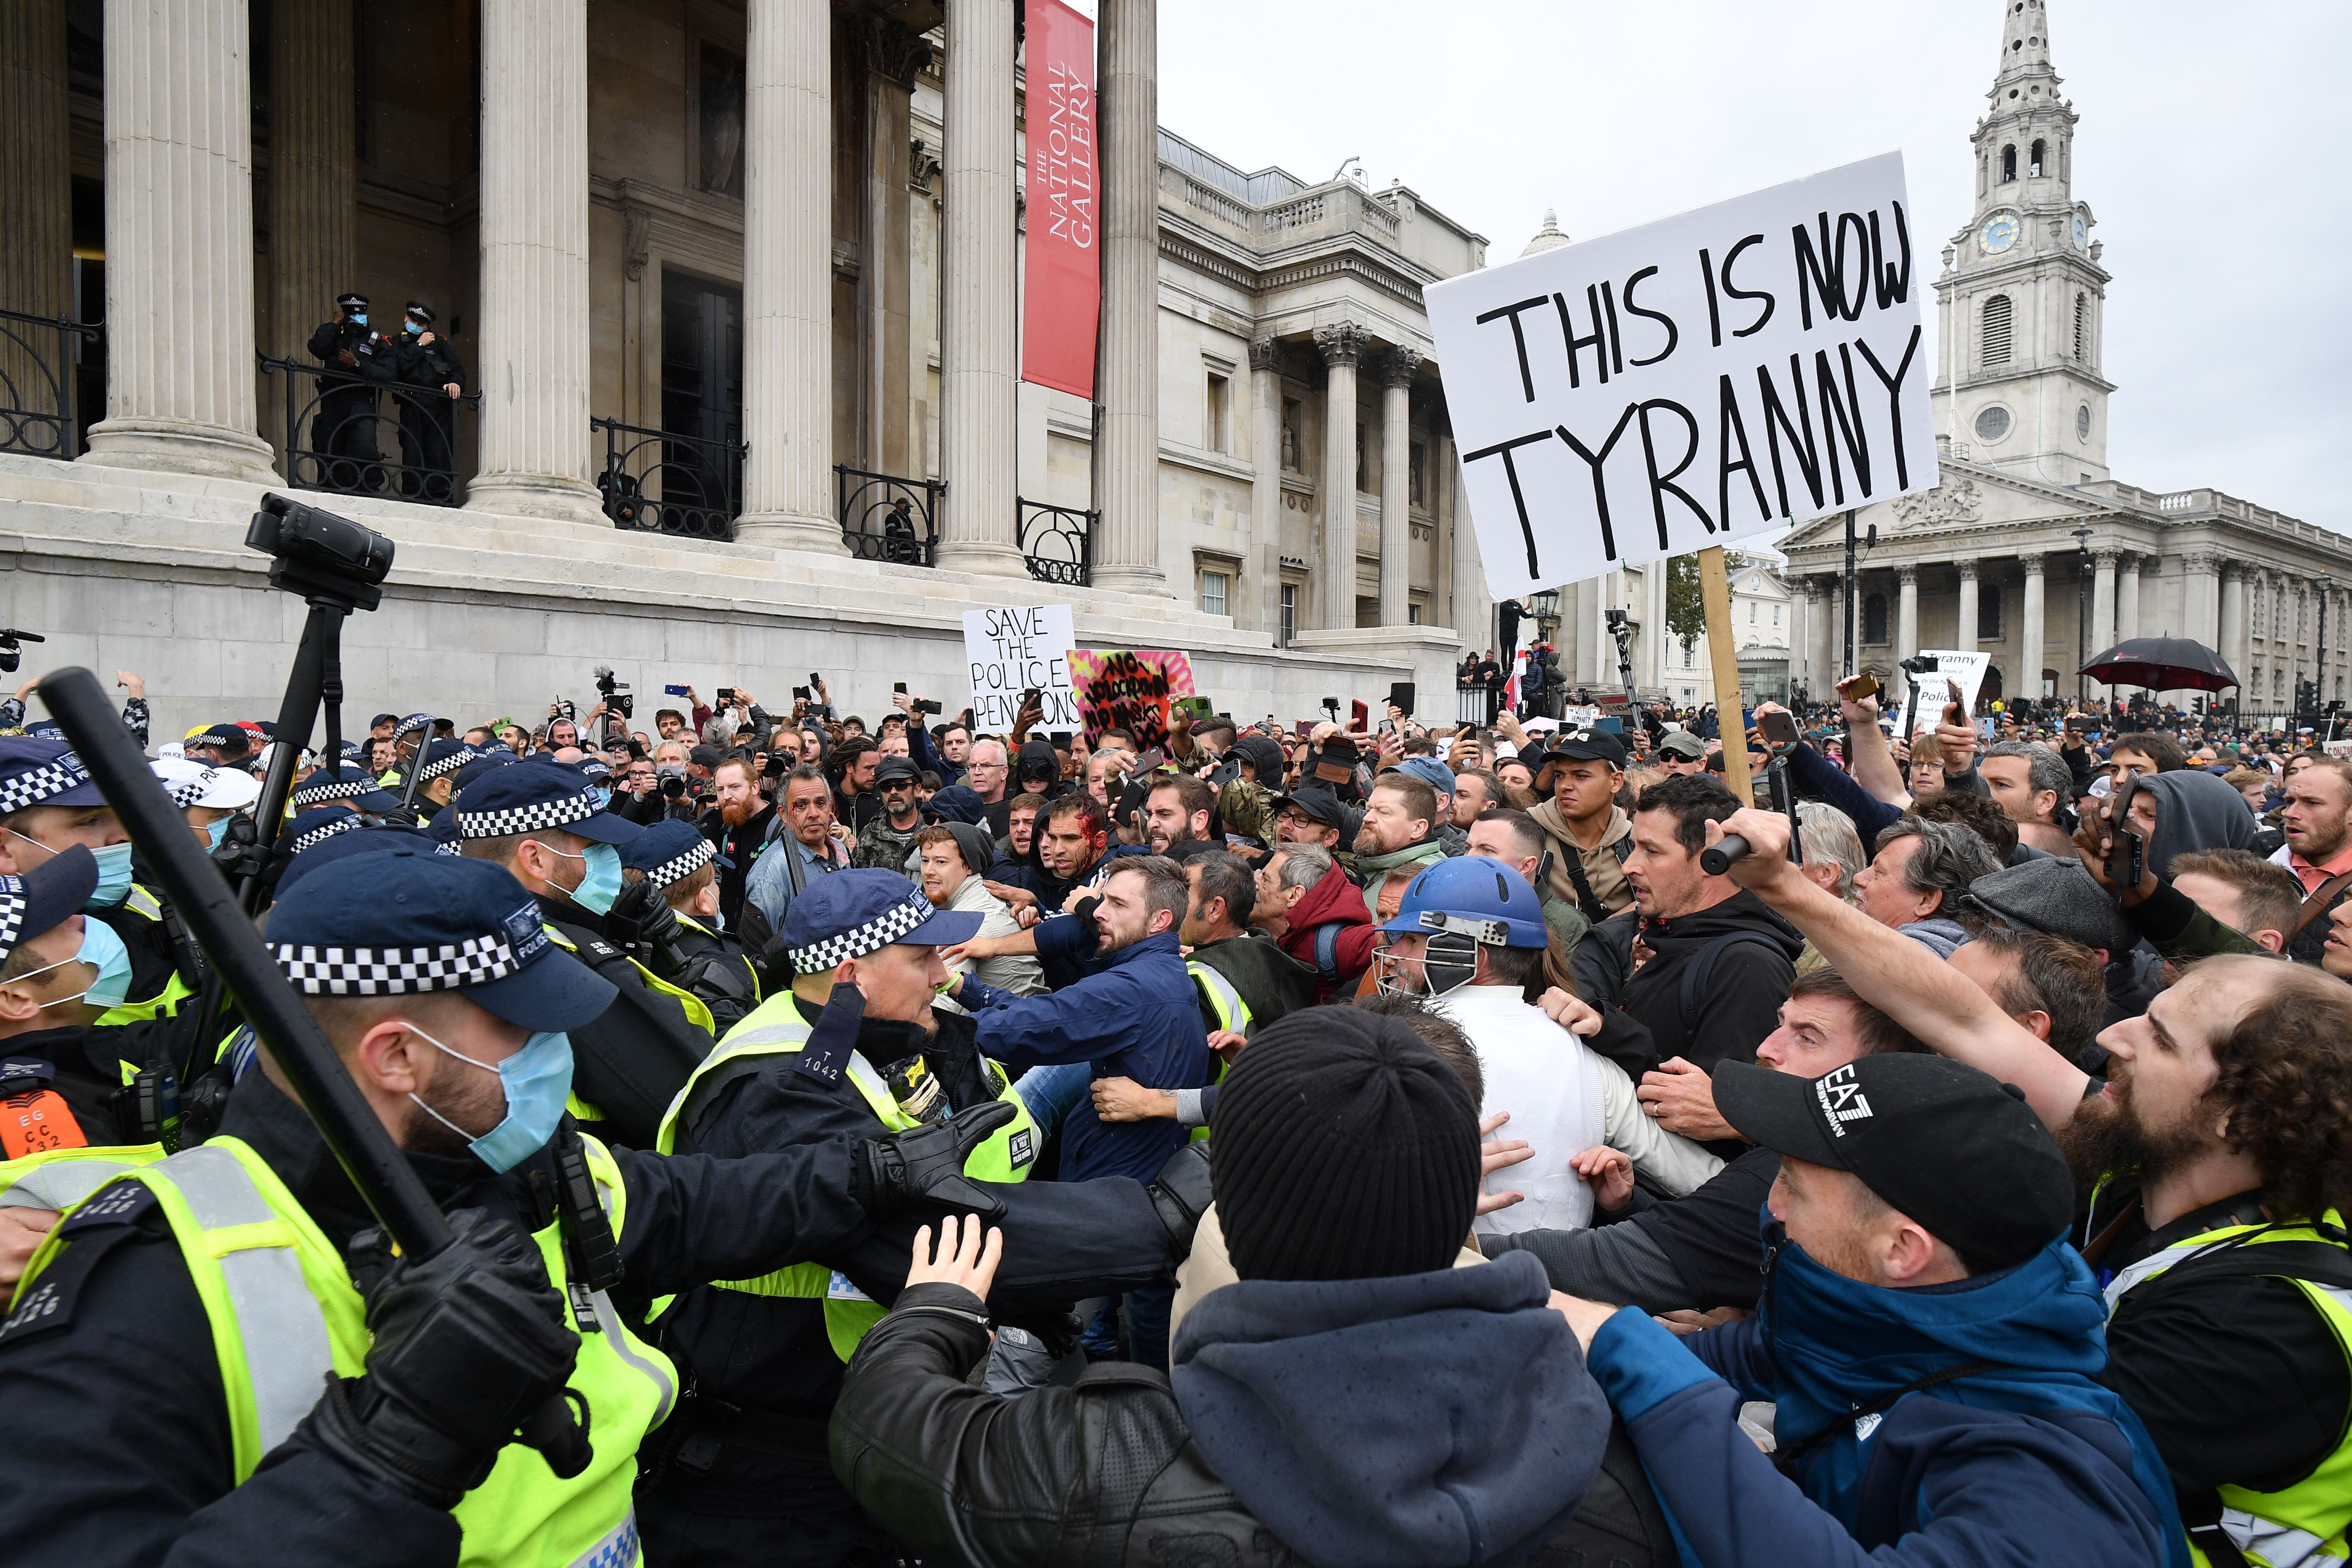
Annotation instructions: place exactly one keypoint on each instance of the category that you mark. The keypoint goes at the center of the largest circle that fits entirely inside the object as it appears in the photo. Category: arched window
(2034, 164)
(1873, 618)
(1997, 323)
(2082, 328)
(2009, 164)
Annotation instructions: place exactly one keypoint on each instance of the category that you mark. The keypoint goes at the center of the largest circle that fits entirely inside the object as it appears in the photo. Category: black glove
(469, 1345)
(1180, 1194)
(642, 924)
(922, 1168)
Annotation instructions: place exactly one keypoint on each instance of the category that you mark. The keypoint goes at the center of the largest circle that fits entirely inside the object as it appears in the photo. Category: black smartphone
(1401, 697)
(726, 697)
(899, 686)
(1777, 728)
(1031, 695)
(2126, 848)
(799, 694)
(677, 690)
(1150, 760)
(926, 705)
(815, 680)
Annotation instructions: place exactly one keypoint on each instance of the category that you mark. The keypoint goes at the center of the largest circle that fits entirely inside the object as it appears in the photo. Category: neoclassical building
(730, 281)
(2030, 548)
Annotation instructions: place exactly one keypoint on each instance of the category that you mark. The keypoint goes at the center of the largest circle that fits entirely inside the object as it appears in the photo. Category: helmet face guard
(1449, 959)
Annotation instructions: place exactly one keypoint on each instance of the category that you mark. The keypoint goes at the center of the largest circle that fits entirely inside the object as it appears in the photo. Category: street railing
(1058, 543)
(39, 356)
(887, 518)
(660, 482)
(338, 426)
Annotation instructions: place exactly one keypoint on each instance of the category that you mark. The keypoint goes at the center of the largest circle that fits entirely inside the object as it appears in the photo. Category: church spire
(2025, 78)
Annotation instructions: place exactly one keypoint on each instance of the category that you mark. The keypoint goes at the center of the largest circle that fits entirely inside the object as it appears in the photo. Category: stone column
(1473, 612)
(1841, 610)
(2232, 647)
(2128, 595)
(788, 279)
(1266, 483)
(36, 193)
(2029, 628)
(535, 343)
(179, 241)
(1964, 635)
(1342, 344)
(313, 185)
(1396, 372)
(1907, 612)
(2102, 608)
(892, 54)
(1128, 102)
(977, 358)
(1820, 664)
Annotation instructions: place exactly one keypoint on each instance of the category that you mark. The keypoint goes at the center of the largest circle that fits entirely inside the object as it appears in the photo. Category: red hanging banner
(1064, 286)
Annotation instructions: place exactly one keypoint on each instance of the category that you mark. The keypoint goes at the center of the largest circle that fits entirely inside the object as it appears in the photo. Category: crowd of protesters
(1422, 1150)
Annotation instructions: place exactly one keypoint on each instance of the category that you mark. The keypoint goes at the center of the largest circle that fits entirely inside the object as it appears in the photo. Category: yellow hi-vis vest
(2304, 1525)
(284, 1313)
(60, 1178)
(1231, 1012)
(165, 1003)
(774, 1029)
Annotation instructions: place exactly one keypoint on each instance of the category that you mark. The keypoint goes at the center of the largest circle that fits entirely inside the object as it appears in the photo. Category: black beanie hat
(1344, 1149)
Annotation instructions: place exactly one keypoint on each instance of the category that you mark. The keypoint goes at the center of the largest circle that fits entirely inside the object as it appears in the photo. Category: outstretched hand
(1498, 1155)
(969, 1252)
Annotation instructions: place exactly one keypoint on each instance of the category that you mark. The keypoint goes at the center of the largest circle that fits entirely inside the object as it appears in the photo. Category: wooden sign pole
(1715, 595)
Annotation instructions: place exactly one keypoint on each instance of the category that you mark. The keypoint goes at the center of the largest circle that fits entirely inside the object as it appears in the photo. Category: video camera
(616, 693)
(327, 559)
(11, 654)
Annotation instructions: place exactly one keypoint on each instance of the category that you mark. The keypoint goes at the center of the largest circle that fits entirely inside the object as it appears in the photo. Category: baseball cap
(1952, 1147)
(1429, 771)
(1683, 744)
(1318, 805)
(36, 771)
(341, 781)
(46, 897)
(1587, 746)
(403, 924)
(669, 851)
(852, 913)
(536, 798)
(199, 784)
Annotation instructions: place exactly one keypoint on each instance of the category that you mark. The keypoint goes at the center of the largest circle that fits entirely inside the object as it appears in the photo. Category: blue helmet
(1472, 896)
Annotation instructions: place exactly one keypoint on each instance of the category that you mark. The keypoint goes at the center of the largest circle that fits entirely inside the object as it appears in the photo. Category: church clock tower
(2021, 299)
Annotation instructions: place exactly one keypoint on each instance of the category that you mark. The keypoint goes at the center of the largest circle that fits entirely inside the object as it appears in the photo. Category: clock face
(1999, 232)
(2082, 230)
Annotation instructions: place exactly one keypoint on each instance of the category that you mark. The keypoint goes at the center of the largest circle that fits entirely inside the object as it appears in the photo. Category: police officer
(208, 1297)
(431, 381)
(545, 823)
(410, 734)
(48, 804)
(855, 1050)
(359, 359)
(333, 797)
(436, 774)
(683, 866)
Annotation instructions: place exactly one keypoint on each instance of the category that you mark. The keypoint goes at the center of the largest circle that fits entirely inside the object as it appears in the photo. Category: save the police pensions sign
(1693, 381)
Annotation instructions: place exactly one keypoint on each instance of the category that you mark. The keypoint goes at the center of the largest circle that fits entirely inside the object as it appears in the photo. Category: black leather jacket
(1104, 1472)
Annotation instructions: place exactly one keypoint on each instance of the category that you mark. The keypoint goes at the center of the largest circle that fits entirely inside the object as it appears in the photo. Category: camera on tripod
(1920, 664)
(616, 694)
(11, 654)
(327, 559)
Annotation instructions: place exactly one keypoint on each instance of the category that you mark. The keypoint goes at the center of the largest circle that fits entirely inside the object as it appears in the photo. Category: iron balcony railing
(660, 482)
(887, 518)
(1058, 543)
(339, 435)
(40, 359)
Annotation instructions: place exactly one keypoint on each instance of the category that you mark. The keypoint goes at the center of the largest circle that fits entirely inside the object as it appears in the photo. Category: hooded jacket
(2195, 811)
(1604, 864)
(1339, 904)
(1434, 1419)
(1746, 982)
(2028, 1460)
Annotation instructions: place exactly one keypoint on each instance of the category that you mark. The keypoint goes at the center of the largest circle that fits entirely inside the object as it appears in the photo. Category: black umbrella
(2162, 664)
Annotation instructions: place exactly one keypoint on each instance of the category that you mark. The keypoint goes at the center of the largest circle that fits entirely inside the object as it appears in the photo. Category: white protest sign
(1011, 647)
(1582, 718)
(1693, 381)
(1951, 664)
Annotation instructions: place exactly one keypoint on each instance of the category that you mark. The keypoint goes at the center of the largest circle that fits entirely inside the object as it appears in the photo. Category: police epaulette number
(124, 1202)
(50, 1304)
(601, 950)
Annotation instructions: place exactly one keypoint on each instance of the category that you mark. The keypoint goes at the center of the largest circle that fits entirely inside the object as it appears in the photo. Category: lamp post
(2082, 610)
(1845, 666)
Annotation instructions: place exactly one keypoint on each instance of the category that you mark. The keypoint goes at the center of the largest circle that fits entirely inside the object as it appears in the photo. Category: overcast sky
(2211, 148)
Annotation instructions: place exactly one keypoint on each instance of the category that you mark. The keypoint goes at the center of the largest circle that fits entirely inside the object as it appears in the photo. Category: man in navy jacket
(1926, 1337)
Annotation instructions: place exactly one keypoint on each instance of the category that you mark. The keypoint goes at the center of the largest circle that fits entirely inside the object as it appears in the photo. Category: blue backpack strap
(1326, 951)
(1701, 968)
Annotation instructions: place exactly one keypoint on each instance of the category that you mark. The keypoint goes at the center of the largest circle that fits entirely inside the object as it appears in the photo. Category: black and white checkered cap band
(858, 941)
(411, 724)
(323, 791)
(395, 970)
(34, 785)
(531, 818)
(188, 791)
(683, 865)
(448, 765)
(327, 830)
(13, 905)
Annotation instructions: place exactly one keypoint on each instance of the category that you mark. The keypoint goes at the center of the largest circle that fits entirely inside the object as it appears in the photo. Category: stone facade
(808, 217)
(2029, 548)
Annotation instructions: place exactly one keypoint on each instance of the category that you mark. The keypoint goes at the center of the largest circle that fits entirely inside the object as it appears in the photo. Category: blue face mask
(604, 795)
(359, 317)
(218, 831)
(538, 1082)
(602, 884)
(411, 326)
(102, 950)
(113, 877)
